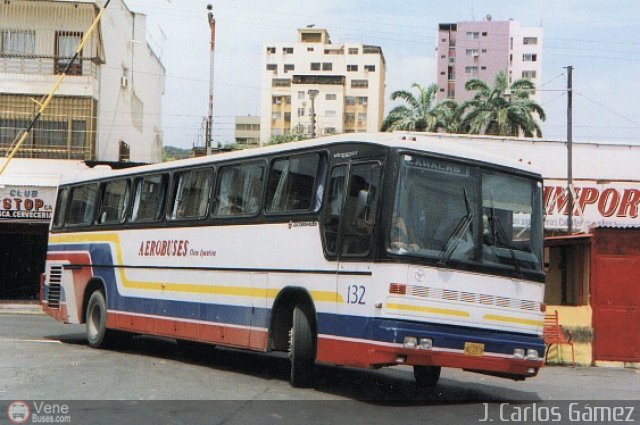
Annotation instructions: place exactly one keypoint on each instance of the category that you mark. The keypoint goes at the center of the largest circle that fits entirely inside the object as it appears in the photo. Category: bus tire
(302, 349)
(426, 376)
(96, 320)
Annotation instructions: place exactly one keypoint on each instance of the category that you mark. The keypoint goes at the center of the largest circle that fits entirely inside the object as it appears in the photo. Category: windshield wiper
(458, 232)
(495, 224)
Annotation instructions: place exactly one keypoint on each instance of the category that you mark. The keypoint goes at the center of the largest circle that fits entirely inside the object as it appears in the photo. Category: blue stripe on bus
(346, 326)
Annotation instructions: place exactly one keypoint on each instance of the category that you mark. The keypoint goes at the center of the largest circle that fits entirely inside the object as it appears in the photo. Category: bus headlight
(518, 353)
(425, 344)
(410, 342)
(532, 354)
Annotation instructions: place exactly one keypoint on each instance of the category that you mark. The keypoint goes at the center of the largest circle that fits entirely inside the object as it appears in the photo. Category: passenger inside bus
(400, 238)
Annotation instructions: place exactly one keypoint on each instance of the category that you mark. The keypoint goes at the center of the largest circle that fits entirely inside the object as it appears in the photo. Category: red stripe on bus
(254, 339)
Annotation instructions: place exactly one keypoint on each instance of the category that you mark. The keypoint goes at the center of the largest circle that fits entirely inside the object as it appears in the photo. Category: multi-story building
(346, 82)
(247, 130)
(107, 108)
(480, 49)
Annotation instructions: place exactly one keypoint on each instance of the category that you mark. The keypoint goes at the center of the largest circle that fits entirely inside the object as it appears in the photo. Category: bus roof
(427, 142)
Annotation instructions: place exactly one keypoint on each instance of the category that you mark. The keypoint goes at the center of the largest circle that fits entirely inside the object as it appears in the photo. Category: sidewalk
(20, 307)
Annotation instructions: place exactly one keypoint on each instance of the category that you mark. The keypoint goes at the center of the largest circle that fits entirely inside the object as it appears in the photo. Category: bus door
(354, 189)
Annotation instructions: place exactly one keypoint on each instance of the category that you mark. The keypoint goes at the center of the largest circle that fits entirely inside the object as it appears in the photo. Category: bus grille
(55, 282)
(468, 297)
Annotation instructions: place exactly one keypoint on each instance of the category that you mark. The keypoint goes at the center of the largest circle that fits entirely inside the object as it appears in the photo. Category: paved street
(43, 359)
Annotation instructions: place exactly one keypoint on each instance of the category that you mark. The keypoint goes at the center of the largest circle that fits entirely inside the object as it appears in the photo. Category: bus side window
(192, 194)
(115, 200)
(239, 190)
(61, 208)
(333, 208)
(148, 198)
(291, 184)
(83, 204)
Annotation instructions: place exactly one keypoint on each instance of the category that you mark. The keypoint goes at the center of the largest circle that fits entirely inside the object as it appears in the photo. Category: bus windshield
(456, 213)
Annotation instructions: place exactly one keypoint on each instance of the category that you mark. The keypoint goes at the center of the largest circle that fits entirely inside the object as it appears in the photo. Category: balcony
(46, 65)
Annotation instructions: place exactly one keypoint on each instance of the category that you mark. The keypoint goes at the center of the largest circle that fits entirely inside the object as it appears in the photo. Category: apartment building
(107, 108)
(343, 84)
(247, 130)
(480, 49)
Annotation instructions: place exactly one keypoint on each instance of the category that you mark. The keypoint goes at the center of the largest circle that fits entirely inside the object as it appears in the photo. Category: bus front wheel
(96, 320)
(302, 349)
(426, 376)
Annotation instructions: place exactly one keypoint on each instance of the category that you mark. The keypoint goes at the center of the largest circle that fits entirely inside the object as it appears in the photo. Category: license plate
(473, 349)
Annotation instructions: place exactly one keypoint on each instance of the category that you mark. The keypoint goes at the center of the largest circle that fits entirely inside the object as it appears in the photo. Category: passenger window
(115, 200)
(292, 183)
(239, 190)
(192, 192)
(149, 198)
(83, 204)
(61, 207)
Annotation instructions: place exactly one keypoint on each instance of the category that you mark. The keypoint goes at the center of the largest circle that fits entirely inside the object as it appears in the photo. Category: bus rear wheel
(303, 350)
(96, 320)
(426, 376)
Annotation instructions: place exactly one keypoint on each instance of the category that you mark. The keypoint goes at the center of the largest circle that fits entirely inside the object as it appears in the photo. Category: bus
(360, 250)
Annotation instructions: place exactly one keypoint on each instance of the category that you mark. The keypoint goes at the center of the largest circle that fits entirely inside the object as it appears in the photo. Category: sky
(598, 38)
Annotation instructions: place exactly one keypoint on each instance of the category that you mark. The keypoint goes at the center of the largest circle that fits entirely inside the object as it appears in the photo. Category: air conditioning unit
(124, 82)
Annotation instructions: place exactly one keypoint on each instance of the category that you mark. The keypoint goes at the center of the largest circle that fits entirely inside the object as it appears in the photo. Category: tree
(418, 114)
(502, 110)
(286, 138)
(451, 116)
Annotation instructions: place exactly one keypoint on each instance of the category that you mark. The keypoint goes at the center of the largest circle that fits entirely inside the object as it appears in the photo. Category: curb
(17, 308)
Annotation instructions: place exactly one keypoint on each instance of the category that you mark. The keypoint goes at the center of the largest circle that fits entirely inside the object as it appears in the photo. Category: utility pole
(212, 46)
(570, 147)
(312, 95)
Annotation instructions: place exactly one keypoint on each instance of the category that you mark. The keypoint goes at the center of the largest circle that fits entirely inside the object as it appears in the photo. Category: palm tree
(502, 110)
(451, 115)
(418, 114)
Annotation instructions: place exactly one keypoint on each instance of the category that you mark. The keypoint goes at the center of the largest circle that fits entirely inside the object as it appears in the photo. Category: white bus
(364, 250)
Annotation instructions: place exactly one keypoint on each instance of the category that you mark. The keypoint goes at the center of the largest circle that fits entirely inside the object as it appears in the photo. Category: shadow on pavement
(392, 386)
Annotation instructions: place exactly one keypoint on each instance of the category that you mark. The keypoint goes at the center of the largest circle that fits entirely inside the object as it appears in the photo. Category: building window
(281, 82)
(370, 68)
(484, 33)
(276, 115)
(301, 112)
(362, 100)
(300, 95)
(529, 57)
(124, 151)
(350, 100)
(330, 96)
(315, 66)
(289, 67)
(271, 50)
(359, 84)
(442, 72)
(327, 66)
(287, 50)
(353, 50)
(309, 49)
(529, 74)
(471, 52)
(362, 118)
(452, 60)
(330, 113)
(272, 67)
(484, 50)
(443, 40)
(473, 35)
(483, 68)
(473, 70)
(66, 44)
(19, 43)
(329, 130)
(441, 90)
(352, 68)
(349, 118)
(530, 40)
